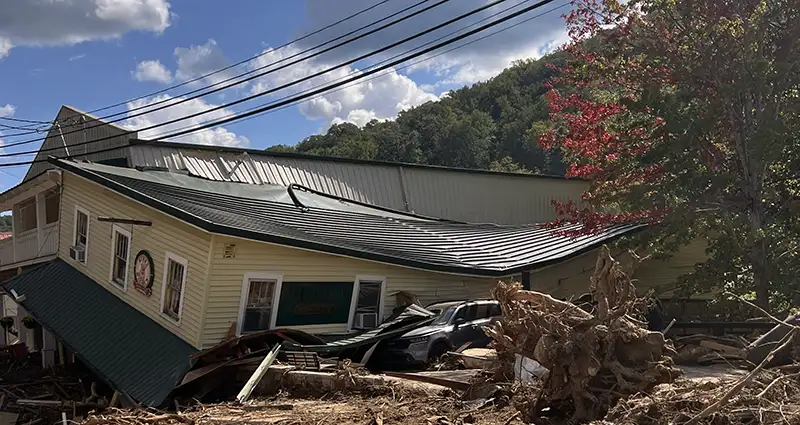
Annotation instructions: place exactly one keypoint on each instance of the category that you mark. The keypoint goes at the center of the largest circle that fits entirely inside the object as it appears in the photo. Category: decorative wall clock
(143, 273)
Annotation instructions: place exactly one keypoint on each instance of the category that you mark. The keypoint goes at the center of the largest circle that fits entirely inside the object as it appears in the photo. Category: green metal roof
(133, 353)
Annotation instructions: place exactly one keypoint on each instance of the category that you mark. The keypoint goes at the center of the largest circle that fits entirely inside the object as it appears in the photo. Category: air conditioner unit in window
(366, 321)
(77, 253)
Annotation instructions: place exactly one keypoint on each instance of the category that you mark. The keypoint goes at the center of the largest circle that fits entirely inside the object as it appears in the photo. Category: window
(120, 256)
(368, 296)
(51, 206)
(258, 302)
(81, 231)
(27, 215)
(173, 287)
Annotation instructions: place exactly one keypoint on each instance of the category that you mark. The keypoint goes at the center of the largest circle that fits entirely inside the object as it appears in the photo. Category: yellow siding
(571, 278)
(227, 275)
(165, 235)
(662, 275)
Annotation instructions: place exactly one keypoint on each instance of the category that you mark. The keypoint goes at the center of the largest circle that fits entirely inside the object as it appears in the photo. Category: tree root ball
(594, 358)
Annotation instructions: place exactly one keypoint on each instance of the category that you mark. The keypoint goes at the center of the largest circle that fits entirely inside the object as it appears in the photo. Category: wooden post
(244, 394)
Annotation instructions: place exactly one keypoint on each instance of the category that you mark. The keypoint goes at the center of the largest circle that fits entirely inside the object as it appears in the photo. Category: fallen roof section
(486, 250)
(133, 353)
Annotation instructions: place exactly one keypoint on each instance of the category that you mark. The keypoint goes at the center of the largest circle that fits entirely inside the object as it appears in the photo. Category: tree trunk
(761, 278)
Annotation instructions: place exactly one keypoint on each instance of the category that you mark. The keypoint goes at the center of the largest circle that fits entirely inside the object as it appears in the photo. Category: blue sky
(94, 53)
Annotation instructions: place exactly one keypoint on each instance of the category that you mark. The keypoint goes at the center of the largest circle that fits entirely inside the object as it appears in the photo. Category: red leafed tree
(687, 113)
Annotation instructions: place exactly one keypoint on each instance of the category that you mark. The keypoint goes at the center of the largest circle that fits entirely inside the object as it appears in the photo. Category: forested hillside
(491, 125)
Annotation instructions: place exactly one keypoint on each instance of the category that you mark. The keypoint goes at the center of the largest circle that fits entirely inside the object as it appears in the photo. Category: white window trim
(354, 298)
(180, 260)
(75, 232)
(276, 296)
(114, 230)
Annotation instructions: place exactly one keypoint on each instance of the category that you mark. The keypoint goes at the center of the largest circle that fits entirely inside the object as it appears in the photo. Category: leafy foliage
(5, 223)
(490, 125)
(688, 114)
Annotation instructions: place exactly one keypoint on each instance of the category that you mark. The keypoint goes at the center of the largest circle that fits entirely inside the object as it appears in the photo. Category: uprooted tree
(687, 113)
(592, 359)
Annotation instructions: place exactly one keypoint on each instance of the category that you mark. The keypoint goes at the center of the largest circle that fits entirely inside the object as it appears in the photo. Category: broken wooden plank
(244, 394)
(726, 349)
(449, 383)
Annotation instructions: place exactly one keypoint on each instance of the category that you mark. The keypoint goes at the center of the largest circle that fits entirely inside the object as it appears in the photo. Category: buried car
(455, 324)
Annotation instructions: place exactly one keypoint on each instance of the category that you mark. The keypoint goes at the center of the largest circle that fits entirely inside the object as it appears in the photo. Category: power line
(22, 120)
(327, 88)
(201, 77)
(166, 135)
(306, 78)
(297, 40)
(238, 78)
(312, 93)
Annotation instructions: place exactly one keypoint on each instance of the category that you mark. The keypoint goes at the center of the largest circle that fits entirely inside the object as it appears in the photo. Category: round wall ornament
(143, 273)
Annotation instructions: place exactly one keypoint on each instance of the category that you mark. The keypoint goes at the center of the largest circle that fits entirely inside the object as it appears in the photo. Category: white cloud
(77, 57)
(380, 98)
(8, 110)
(197, 60)
(215, 136)
(5, 47)
(68, 22)
(152, 70)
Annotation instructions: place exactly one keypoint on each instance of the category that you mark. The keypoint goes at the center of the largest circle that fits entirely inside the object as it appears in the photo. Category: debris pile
(593, 359)
(706, 349)
(37, 395)
(769, 398)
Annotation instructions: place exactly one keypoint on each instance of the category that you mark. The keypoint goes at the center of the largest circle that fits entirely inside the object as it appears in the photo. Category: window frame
(276, 296)
(115, 230)
(354, 298)
(50, 194)
(28, 203)
(75, 232)
(169, 256)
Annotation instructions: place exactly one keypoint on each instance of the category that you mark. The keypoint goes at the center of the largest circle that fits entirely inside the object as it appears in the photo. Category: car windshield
(443, 314)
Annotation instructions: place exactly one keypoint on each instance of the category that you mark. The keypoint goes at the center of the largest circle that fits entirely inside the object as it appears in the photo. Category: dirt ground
(334, 410)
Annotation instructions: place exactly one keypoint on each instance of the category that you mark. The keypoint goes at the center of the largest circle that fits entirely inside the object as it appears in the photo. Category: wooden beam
(125, 221)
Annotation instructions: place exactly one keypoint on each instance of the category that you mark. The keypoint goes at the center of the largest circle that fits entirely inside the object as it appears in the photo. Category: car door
(463, 326)
(484, 316)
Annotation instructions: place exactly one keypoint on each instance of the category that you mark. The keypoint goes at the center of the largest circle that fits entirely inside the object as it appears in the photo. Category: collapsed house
(153, 252)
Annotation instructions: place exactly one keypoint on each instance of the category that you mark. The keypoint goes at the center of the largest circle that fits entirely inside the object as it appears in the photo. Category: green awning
(133, 353)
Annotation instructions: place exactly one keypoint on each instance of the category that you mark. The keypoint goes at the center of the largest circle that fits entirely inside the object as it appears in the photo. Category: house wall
(75, 128)
(564, 280)
(571, 278)
(227, 278)
(166, 234)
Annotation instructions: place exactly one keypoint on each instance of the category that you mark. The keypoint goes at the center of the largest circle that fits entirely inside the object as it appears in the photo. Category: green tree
(688, 114)
(5, 223)
(473, 127)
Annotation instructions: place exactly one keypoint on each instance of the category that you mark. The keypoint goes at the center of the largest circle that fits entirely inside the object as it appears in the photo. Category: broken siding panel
(481, 197)
(227, 276)
(165, 234)
(75, 121)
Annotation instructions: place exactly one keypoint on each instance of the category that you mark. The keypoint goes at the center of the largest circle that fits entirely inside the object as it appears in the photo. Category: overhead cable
(309, 94)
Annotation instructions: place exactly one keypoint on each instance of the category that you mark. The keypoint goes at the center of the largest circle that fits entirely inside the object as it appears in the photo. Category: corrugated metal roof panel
(463, 195)
(471, 249)
(132, 352)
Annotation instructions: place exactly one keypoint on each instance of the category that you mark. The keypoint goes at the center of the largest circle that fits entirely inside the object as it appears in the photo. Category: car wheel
(437, 351)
